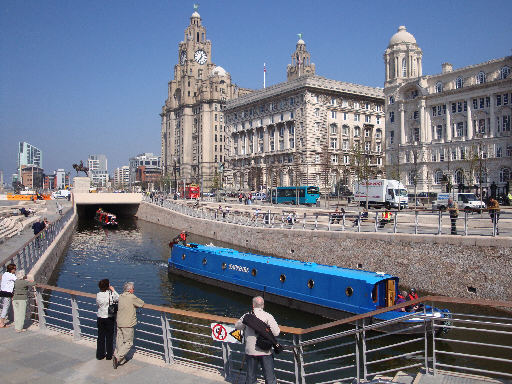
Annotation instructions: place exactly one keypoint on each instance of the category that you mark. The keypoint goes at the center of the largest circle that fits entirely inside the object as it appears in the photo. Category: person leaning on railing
(19, 299)
(126, 320)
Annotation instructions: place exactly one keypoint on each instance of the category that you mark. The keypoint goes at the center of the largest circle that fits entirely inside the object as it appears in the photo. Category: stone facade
(308, 130)
(453, 127)
(193, 130)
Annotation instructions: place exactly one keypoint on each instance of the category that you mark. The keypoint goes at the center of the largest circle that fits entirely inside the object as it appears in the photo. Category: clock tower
(193, 130)
(301, 62)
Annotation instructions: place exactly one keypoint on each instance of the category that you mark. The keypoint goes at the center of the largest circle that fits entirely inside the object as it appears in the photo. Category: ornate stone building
(193, 130)
(307, 130)
(452, 127)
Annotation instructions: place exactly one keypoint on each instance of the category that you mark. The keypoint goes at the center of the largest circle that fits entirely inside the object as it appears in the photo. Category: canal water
(138, 251)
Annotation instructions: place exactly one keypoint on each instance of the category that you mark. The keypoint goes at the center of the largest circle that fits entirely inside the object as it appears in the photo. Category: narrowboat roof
(367, 276)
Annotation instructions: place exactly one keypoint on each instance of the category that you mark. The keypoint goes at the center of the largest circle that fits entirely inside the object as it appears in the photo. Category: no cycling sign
(226, 333)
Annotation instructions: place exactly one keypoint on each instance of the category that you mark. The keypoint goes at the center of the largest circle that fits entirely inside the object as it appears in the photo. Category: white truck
(466, 201)
(381, 193)
(61, 194)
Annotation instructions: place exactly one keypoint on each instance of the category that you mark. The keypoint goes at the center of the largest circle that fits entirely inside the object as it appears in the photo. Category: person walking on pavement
(19, 299)
(253, 354)
(494, 213)
(6, 289)
(126, 321)
(105, 320)
(454, 214)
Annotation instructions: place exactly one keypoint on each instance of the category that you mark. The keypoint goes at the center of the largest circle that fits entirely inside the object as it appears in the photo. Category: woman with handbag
(6, 292)
(106, 300)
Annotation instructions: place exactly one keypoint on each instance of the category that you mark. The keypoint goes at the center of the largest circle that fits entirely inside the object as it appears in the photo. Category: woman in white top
(6, 287)
(106, 324)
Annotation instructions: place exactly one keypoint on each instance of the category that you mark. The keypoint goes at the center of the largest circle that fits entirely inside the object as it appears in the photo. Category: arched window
(504, 72)
(439, 87)
(404, 68)
(438, 177)
(504, 175)
(459, 176)
(480, 78)
(459, 83)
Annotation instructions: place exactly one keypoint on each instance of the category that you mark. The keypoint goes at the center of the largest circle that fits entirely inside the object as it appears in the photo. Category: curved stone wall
(471, 266)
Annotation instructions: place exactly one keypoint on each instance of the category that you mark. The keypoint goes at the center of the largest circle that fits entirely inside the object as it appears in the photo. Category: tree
(361, 166)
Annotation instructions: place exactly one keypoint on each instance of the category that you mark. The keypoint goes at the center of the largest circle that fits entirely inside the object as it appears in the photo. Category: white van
(466, 201)
(61, 194)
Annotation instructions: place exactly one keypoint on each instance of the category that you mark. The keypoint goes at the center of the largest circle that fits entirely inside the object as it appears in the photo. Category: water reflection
(138, 251)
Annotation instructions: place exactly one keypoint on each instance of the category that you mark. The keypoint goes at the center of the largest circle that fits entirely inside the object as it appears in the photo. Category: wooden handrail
(174, 311)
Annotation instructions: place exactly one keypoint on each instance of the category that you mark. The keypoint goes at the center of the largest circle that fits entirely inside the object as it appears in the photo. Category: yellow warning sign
(237, 334)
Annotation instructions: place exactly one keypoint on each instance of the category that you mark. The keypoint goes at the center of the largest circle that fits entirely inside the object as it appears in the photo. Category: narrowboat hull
(328, 291)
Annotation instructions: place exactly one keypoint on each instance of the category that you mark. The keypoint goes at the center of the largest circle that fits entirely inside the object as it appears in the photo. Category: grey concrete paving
(49, 211)
(41, 357)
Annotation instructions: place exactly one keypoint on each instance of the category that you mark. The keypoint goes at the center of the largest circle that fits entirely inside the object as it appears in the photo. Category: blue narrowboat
(328, 291)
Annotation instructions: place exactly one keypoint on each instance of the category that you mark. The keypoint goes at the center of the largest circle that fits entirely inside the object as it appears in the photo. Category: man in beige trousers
(126, 320)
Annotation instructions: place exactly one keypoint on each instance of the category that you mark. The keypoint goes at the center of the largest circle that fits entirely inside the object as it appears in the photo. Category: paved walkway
(16, 242)
(39, 357)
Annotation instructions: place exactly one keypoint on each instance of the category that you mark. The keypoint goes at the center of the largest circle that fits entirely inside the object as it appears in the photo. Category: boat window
(204, 261)
(349, 291)
(254, 272)
(282, 278)
(374, 293)
(311, 284)
(183, 256)
(224, 266)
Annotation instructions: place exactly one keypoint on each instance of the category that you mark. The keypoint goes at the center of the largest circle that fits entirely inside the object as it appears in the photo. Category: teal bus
(304, 194)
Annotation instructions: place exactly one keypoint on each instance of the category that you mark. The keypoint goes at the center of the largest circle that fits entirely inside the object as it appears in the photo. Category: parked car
(260, 196)
(466, 201)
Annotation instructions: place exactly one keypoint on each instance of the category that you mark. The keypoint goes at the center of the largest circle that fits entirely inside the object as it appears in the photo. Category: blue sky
(84, 77)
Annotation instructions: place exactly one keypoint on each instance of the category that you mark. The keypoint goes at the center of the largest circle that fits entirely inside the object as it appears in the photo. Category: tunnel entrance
(120, 210)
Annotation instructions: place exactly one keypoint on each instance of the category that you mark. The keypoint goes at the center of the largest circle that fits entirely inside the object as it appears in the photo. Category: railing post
(40, 310)
(494, 223)
(359, 222)
(298, 360)
(434, 369)
(466, 223)
(415, 222)
(304, 222)
(316, 220)
(376, 220)
(357, 337)
(343, 221)
(439, 230)
(226, 358)
(76, 320)
(166, 335)
(363, 344)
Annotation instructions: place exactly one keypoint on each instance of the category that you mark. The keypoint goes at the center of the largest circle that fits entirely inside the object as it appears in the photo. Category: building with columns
(451, 128)
(308, 130)
(193, 130)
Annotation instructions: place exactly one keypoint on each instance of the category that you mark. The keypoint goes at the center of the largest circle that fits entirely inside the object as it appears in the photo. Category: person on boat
(254, 355)
(180, 239)
(401, 298)
(413, 295)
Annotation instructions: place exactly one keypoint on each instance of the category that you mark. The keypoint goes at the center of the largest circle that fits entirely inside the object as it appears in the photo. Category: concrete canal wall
(460, 266)
(45, 266)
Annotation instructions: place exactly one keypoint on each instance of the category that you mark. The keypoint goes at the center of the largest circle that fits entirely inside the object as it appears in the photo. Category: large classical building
(193, 130)
(308, 130)
(450, 128)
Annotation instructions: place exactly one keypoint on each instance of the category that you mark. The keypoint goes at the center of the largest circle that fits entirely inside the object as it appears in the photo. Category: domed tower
(301, 62)
(402, 58)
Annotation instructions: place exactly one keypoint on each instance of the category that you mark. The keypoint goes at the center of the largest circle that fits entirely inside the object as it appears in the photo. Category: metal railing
(30, 252)
(345, 350)
(436, 222)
